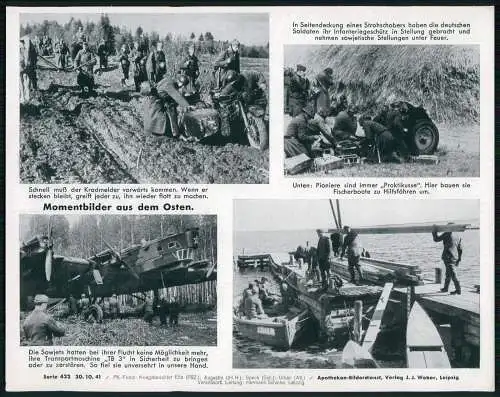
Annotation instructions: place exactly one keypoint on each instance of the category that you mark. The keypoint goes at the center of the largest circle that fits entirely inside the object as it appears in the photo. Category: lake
(417, 249)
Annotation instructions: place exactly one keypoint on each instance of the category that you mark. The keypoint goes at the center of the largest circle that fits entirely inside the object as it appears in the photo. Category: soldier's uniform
(298, 91)
(324, 250)
(353, 250)
(125, 63)
(345, 126)
(191, 68)
(85, 77)
(383, 139)
(156, 66)
(148, 310)
(114, 306)
(160, 109)
(298, 137)
(102, 53)
(39, 327)
(228, 60)
(140, 73)
(451, 256)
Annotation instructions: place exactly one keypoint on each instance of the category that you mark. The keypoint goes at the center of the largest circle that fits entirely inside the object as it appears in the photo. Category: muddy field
(194, 329)
(67, 139)
(458, 154)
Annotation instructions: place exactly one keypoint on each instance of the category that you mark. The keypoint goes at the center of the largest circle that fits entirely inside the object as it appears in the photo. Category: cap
(41, 299)
(328, 71)
(235, 42)
(301, 68)
(309, 110)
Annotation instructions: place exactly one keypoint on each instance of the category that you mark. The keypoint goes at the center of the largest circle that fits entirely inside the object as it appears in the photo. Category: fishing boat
(279, 331)
(356, 356)
(424, 346)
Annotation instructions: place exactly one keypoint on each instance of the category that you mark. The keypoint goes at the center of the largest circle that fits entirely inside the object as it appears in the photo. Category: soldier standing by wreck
(228, 60)
(451, 256)
(85, 62)
(39, 327)
(298, 91)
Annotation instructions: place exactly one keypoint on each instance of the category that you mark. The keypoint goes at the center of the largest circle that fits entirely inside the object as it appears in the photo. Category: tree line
(115, 36)
(88, 235)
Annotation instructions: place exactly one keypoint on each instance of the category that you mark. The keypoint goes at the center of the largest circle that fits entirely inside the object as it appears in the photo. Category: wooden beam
(406, 229)
(376, 321)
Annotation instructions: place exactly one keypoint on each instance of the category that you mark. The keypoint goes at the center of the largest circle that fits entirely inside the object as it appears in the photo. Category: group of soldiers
(255, 297)
(165, 95)
(338, 244)
(165, 89)
(322, 118)
(40, 327)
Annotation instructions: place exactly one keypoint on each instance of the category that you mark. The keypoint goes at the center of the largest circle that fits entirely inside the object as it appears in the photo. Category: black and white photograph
(118, 280)
(382, 110)
(356, 283)
(144, 98)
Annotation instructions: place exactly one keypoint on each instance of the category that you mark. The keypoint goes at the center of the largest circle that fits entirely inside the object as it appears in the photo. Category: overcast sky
(247, 28)
(313, 214)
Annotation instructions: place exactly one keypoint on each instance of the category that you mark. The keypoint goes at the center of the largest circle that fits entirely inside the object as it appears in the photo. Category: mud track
(66, 138)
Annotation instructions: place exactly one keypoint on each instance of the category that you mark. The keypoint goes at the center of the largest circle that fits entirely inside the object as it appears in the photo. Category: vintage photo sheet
(249, 199)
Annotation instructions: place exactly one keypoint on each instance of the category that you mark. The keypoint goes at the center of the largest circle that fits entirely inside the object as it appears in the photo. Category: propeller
(120, 260)
(49, 254)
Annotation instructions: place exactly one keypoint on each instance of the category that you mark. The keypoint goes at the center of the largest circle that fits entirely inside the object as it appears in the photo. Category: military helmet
(41, 298)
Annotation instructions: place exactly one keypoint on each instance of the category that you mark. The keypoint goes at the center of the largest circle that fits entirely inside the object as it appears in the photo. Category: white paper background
(18, 377)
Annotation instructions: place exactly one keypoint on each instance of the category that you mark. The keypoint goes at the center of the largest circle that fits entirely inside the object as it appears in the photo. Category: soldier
(228, 60)
(148, 310)
(27, 65)
(324, 251)
(62, 51)
(156, 64)
(298, 136)
(191, 66)
(160, 106)
(124, 62)
(80, 36)
(336, 238)
(102, 53)
(85, 61)
(83, 303)
(351, 245)
(114, 306)
(39, 327)
(173, 310)
(298, 91)
(254, 88)
(383, 139)
(140, 73)
(346, 124)
(451, 256)
(322, 103)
